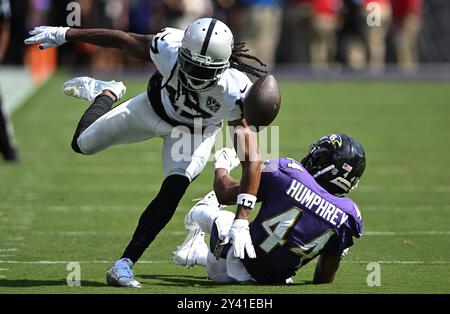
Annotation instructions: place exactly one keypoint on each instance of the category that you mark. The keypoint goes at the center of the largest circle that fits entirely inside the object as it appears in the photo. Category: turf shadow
(177, 280)
(189, 281)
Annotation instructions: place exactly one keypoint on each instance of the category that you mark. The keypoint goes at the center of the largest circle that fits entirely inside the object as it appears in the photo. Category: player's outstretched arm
(225, 187)
(247, 149)
(50, 37)
(326, 268)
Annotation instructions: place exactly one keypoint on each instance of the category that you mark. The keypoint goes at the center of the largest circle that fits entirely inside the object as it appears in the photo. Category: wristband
(246, 200)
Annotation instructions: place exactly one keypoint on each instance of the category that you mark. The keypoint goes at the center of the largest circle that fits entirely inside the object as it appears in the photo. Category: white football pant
(219, 270)
(134, 121)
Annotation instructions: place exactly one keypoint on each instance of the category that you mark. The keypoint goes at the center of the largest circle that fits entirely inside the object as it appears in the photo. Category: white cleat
(193, 247)
(121, 274)
(88, 88)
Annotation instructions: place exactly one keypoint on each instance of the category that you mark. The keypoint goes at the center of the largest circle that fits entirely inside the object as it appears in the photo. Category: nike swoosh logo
(244, 89)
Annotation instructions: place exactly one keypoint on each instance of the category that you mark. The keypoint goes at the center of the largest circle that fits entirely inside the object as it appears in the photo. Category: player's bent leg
(200, 219)
(193, 251)
(99, 107)
(203, 213)
(185, 153)
(217, 270)
(207, 218)
(237, 270)
(226, 268)
(130, 122)
(88, 88)
(157, 214)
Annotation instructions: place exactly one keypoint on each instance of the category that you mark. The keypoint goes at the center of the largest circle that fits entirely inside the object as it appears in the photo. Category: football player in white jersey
(200, 81)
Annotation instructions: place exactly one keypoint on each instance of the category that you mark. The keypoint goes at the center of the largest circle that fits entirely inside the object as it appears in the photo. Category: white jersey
(214, 105)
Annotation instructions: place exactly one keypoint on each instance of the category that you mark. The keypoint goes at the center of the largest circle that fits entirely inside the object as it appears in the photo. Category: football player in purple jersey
(303, 214)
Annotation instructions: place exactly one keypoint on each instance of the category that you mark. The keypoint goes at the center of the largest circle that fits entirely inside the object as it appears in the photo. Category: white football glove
(226, 158)
(47, 36)
(240, 237)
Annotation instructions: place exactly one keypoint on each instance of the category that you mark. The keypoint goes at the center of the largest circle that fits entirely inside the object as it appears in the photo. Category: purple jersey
(297, 221)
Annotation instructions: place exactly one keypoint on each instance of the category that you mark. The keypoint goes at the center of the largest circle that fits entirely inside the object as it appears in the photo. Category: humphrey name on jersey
(311, 200)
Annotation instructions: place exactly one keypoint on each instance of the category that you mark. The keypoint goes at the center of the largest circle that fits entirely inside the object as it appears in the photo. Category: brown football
(262, 102)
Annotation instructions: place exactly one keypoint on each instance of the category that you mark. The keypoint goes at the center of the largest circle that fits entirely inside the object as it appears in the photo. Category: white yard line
(43, 262)
(184, 232)
(16, 227)
(404, 207)
(78, 233)
(25, 190)
(400, 262)
(10, 79)
(9, 250)
(81, 262)
(404, 188)
(7, 243)
(17, 239)
(85, 208)
(94, 233)
(407, 233)
(177, 233)
(95, 208)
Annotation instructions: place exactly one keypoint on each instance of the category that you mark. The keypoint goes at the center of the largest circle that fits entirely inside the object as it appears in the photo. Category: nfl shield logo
(212, 104)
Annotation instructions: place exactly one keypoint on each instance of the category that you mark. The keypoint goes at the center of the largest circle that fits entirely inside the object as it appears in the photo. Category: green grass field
(57, 206)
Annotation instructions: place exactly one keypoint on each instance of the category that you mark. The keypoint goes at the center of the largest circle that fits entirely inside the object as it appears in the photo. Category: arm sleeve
(236, 113)
(238, 89)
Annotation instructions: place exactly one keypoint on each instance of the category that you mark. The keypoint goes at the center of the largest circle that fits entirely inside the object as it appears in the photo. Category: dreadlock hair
(238, 53)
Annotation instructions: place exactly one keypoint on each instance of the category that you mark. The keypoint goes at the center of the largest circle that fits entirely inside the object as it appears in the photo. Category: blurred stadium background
(387, 86)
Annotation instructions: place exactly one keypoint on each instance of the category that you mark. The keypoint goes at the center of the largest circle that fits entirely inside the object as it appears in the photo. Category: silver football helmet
(204, 54)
